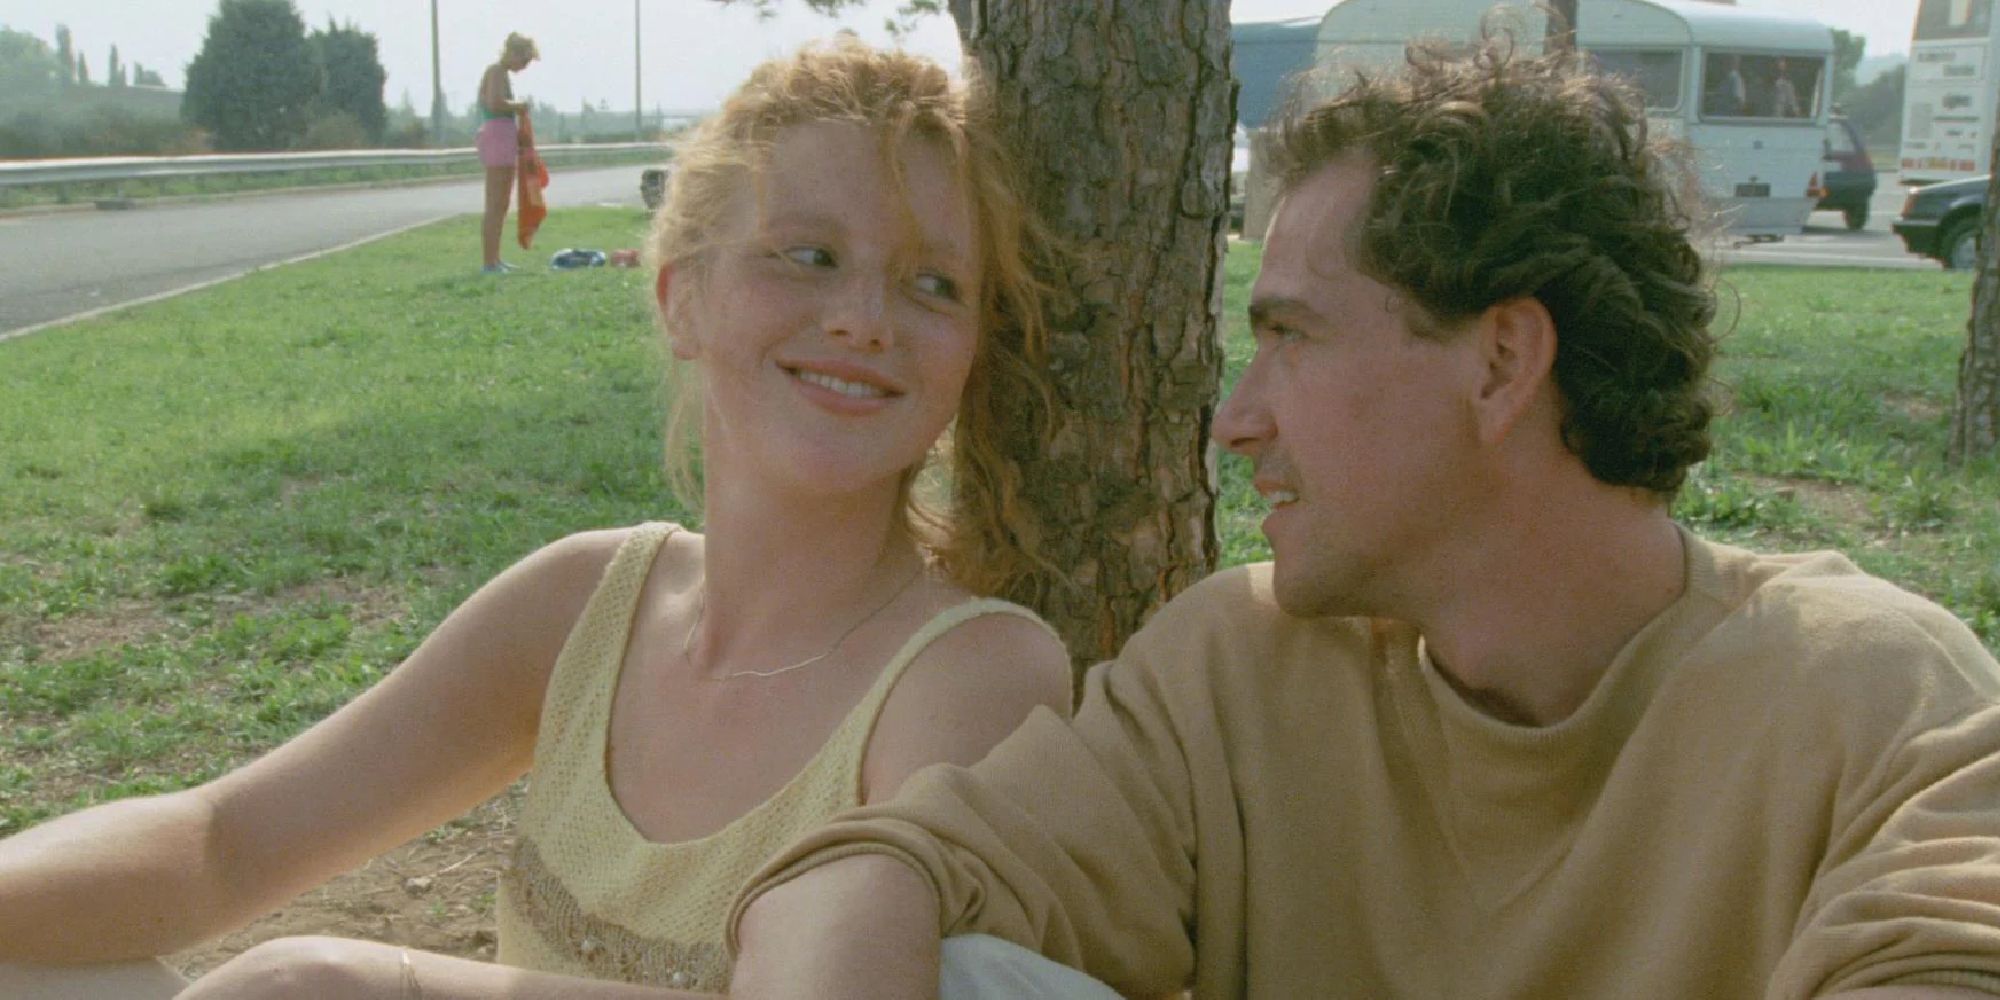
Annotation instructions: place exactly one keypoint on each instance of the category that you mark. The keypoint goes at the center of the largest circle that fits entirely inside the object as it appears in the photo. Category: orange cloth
(532, 176)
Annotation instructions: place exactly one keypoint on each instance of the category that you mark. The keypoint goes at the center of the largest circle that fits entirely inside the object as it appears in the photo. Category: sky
(692, 52)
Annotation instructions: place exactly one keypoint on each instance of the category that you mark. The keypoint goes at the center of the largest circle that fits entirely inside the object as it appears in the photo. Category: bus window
(1759, 85)
(1657, 74)
(1953, 19)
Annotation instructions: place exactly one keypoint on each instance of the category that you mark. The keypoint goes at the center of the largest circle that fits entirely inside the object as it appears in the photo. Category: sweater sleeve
(1910, 892)
(1073, 839)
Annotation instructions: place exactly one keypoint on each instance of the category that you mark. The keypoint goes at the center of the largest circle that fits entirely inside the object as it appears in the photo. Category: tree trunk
(1120, 115)
(1561, 33)
(1975, 422)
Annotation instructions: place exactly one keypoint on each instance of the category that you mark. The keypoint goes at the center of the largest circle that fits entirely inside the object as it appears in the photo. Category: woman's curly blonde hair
(977, 533)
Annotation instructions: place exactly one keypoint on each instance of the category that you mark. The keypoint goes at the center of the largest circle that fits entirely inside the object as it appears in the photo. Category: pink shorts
(499, 142)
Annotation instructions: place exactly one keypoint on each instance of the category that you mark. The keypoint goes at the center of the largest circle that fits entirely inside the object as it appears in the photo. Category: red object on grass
(531, 176)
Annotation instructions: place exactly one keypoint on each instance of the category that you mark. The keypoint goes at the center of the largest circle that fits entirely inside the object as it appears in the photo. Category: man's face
(1362, 432)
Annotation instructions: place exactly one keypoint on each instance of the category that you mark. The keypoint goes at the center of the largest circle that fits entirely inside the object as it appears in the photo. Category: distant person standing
(1785, 94)
(499, 141)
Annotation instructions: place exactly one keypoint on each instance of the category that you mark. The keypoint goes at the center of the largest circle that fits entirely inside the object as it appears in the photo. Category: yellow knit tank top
(586, 894)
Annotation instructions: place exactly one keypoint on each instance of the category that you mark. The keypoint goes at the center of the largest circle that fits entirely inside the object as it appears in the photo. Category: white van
(1744, 88)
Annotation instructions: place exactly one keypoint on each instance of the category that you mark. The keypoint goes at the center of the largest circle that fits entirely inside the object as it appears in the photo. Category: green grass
(227, 512)
(85, 192)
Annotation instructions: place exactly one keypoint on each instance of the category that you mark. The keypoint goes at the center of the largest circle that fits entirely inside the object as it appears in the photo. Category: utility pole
(437, 84)
(638, 126)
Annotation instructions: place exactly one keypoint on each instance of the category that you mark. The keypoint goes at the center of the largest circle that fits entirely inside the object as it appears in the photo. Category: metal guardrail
(14, 173)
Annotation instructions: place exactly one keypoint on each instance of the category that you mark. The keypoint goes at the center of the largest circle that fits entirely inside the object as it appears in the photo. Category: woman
(499, 142)
(835, 260)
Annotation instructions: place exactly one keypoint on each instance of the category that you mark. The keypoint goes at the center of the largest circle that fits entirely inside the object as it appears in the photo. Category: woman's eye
(932, 283)
(808, 256)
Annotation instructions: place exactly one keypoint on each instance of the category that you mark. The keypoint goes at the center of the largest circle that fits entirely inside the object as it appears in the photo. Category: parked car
(1942, 221)
(1847, 174)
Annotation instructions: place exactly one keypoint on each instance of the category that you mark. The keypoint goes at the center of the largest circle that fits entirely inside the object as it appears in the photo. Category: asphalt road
(59, 264)
(1827, 243)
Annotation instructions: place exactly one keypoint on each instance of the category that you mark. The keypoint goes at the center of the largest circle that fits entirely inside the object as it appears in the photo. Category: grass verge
(228, 512)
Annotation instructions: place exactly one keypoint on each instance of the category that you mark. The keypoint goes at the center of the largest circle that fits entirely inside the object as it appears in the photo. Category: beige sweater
(1785, 785)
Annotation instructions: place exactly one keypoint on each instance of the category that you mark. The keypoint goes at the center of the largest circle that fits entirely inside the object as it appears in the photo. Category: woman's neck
(777, 564)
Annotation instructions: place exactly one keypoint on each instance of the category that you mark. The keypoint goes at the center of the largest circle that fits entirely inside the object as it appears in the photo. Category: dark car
(1847, 174)
(1942, 221)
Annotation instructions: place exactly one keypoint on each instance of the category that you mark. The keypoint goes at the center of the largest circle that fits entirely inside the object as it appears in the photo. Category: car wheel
(1959, 249)
(1857, 217)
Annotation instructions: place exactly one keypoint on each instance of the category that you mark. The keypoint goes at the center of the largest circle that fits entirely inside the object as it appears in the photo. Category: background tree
(1876, 107)
(1121, 115)
(254, 82)
(143, 77)
(114, 73)
(82, 71)
(65, 55)
(28, 68)
(1561, 30)
(1848, 51)
(1975, 420)
(351, 77)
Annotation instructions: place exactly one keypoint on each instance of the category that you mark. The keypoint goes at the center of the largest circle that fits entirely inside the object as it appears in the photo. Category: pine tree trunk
(1120, 115)
(1975, 422)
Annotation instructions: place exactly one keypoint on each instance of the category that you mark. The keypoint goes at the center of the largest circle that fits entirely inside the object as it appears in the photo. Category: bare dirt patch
(1839, 502)
(1915, 408)
(434, 893)
(78, 635)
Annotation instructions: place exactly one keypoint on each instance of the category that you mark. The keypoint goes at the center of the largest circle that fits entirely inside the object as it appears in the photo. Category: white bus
(1948, 95)
(1744, 88)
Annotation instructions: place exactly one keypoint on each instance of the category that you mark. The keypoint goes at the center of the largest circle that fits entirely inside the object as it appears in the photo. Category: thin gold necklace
(687, 644)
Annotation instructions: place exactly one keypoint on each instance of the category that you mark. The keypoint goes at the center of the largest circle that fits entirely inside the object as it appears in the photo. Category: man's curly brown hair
(1501, 176)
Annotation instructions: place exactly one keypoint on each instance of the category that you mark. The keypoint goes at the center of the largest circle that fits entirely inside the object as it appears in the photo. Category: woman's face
(837, 318)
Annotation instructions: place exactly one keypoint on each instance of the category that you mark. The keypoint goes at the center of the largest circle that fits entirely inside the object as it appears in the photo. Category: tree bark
(1120, 115)
(1975, 421)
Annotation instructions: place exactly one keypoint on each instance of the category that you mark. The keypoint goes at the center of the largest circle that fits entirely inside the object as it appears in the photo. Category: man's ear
(1517, 340)
(671, 290)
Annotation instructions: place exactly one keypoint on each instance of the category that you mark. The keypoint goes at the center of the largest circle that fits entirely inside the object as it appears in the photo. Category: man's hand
(863, 927)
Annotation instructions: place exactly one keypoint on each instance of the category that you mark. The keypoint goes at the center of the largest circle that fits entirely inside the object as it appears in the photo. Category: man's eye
(808, 256)
(932, 283)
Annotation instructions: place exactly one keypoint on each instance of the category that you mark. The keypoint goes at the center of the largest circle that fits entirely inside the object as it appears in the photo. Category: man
(1491, 725)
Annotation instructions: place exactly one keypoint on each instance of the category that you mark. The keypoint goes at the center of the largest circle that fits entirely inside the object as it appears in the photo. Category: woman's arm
(495, 94)
(447, 729)
(291, 968)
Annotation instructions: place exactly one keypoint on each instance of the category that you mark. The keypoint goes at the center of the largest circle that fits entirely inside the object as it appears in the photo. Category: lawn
(227, 512)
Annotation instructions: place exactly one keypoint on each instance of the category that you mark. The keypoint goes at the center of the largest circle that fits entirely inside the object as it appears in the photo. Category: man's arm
(1073, 839)
(1908, 902)
(863, 926)
(1910, 993)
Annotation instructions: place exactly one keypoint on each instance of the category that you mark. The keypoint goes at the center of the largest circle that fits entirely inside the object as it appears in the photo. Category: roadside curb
(212, 282)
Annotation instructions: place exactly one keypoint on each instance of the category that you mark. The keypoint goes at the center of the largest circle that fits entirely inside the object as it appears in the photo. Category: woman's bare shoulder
(963, 694)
